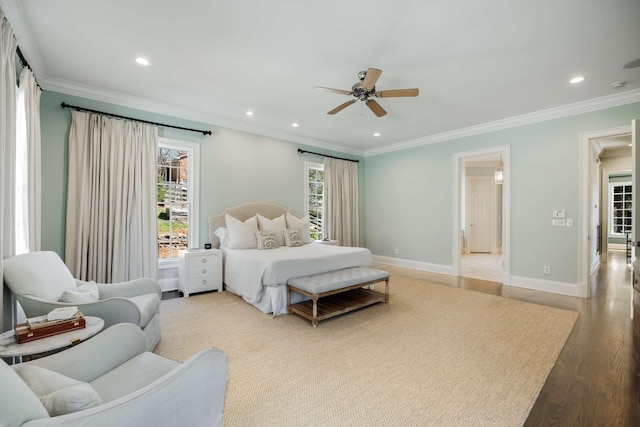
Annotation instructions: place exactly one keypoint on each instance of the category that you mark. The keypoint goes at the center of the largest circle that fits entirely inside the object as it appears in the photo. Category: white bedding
(260, 276)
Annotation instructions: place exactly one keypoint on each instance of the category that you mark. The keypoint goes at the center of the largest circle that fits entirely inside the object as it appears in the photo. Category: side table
(199, 270)
(9, 346)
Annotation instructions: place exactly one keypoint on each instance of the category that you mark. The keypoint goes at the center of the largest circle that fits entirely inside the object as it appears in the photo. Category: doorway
(594, 232)
(481, 215)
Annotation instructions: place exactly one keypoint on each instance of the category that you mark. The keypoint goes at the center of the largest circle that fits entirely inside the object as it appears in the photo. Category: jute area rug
(433, 356)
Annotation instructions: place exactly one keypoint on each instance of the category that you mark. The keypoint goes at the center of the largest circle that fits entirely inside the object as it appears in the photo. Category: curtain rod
(24, 63)
(301, 151)
(74, 107)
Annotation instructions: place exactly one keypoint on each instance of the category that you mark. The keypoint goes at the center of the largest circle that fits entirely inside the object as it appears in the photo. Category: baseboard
(562, 288)
(170, 284)
(416, 265)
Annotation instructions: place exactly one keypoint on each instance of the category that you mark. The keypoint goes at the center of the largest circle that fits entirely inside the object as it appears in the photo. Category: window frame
(193, 188)
(610, 226)
(320, 166)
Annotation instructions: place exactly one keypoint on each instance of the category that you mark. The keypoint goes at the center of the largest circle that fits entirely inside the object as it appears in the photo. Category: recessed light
(249, 113)
(142, 61)
(576, 79)
(617, 85)
(295, 125)
(376, 134)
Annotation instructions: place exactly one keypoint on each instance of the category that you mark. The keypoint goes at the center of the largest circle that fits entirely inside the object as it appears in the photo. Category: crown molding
(576, 108)
(117, 98)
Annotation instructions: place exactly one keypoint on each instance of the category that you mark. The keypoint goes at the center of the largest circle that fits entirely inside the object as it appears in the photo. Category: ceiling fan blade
(339, 91)
(373, 74)
(376, 108)
(342, 106)
(397, 93)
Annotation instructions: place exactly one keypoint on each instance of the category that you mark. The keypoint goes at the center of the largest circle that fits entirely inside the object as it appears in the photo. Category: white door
(635, 179)
(479, 213)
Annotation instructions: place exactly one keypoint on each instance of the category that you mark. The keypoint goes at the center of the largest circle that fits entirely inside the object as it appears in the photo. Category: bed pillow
(241, 234)
(277, 225)
(292, 238)
(82, 294)
(266, 240)
(223, 235)
(300, 224)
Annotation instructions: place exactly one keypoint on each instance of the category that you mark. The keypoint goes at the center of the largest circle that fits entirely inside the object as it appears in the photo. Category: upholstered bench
(341, 292)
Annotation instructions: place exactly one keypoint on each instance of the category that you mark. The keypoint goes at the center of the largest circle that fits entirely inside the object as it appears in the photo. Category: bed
(260, 276)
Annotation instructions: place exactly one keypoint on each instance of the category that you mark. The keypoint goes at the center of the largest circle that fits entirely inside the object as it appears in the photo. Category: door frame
(459, 177)
(584, 216)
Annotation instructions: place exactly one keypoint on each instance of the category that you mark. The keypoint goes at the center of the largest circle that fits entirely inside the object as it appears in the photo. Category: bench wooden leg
(386, 290)
(314, 322)
(288, 300)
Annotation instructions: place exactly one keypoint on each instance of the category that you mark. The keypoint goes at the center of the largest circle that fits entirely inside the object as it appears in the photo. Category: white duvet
(260, 276)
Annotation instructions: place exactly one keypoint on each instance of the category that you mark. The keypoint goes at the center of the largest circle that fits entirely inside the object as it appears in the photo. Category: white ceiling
(474, 62)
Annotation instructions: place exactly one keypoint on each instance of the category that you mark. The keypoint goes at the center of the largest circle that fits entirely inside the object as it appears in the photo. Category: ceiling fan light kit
(365, 89)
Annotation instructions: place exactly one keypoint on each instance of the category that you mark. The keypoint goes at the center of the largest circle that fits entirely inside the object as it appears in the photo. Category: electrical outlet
(547, 269)
(396, 251)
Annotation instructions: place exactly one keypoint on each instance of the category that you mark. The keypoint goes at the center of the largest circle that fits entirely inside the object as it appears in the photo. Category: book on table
(39, 327)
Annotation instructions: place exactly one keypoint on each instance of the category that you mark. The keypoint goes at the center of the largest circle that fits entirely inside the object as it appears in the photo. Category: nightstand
(200, 270)
(328, 242)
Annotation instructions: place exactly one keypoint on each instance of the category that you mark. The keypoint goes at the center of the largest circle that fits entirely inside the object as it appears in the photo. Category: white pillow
(71, 399)
(300, 224)
(241, 234)
(223, 235)
(277, 225)
(82, 294)
(58, 393)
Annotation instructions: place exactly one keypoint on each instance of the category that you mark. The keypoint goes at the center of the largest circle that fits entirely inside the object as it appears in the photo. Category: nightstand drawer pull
(204, 281)
(204, 271)
(204, 260)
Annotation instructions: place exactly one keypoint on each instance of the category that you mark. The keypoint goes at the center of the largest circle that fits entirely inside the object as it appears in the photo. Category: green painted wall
(236, 167)
(409, 197)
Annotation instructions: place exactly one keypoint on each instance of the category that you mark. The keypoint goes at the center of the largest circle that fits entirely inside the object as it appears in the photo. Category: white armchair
(39, 280)
(110, 380)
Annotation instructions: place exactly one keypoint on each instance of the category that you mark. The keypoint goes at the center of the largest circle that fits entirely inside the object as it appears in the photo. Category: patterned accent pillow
(266, 240)
(292, 238)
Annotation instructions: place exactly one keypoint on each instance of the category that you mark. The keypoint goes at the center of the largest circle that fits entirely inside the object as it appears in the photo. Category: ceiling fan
(365, 89)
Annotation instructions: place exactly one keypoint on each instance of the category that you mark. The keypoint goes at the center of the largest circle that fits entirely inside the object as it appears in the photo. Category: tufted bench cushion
(348, 282)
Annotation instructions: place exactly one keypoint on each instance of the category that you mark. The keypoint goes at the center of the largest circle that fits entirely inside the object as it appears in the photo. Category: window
(177, 196)
(315, 198)
(620, 201)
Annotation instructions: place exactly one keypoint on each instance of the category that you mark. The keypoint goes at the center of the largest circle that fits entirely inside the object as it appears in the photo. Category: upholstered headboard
(243, 212)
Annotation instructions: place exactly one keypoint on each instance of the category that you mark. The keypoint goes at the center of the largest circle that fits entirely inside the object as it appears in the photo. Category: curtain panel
(111, 199)
(341, 201)
(28, 181)
(8, 47)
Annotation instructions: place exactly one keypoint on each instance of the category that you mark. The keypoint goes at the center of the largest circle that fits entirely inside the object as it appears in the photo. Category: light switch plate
(559, 222)
(558, 213)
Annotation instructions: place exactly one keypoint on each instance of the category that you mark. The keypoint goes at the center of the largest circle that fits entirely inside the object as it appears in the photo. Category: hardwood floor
(593, 383)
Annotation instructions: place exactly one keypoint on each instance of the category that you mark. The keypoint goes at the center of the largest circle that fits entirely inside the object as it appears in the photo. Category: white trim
(194, 183)
(458, 170)
(308, 164)
(584, 148)
(610, 209)
(415, 265)
(170, 284)
(561, 288)
(581, 107)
